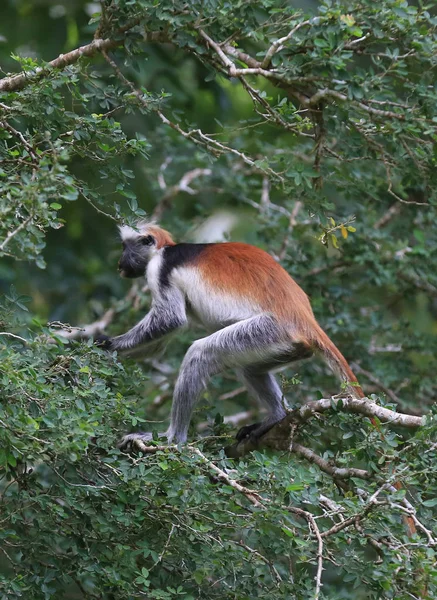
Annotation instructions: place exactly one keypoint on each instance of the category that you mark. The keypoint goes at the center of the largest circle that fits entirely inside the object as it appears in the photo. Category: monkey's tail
(336, 361)
(321, 343)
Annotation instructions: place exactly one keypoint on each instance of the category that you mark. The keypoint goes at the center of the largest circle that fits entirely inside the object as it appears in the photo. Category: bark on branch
(14, 83)
(18, 82)
(280, 436)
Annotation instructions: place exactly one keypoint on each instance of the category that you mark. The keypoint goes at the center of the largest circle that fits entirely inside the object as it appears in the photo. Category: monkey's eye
(147, 240)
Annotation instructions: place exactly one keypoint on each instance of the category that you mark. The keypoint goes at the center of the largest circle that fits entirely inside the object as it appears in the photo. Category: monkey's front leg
(155, 325)
(146, 336)
(163, 318)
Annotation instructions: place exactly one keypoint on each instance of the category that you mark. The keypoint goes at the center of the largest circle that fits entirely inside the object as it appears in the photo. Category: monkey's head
(136, 255)
(139, 245)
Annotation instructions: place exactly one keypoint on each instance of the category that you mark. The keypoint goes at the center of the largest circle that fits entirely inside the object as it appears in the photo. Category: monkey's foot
(246, 431)
(256, 431)
(127, 442)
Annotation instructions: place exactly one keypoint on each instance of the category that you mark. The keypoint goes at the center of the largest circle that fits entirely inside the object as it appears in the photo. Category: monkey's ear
(148, 240)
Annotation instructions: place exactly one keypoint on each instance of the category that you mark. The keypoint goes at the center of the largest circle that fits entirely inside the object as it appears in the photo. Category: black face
(135, 256)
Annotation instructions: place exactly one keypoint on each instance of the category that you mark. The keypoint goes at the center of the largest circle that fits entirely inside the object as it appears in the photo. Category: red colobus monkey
(257, 316)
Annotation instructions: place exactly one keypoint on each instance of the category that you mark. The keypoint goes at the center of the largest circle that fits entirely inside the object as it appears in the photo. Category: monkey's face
(136, 255)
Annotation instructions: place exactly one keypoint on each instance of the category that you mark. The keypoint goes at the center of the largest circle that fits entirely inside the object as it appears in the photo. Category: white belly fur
(214, 310)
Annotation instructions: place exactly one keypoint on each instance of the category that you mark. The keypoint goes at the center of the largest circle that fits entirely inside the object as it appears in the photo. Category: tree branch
(18, 82)
(364, 407)
(194, 135)
(227, 62)
(278, 438)
(14, 83)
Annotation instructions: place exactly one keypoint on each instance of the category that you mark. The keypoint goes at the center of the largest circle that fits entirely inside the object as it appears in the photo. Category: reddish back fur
(249, 272)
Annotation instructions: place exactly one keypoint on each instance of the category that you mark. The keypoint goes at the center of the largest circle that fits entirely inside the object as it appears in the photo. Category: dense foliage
(308, 130)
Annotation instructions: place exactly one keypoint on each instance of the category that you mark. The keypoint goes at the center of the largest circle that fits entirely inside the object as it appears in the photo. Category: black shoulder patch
(176, 256)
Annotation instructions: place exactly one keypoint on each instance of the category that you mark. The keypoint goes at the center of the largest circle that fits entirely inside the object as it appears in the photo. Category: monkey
(256, 316)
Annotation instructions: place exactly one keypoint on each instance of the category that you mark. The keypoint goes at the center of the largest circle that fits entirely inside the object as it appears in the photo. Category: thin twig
(324, 465)
(87, 331)
(313, 526)
(263, 558)
(278, 45)
(161, 556)
(182, 186)
(251, 495)
(390, 393)
(291, 225)
(393, 211)
(21, 137)
(12, 234)
(18, 337)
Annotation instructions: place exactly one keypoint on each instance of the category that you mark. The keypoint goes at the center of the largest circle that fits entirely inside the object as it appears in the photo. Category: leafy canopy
(315, 130)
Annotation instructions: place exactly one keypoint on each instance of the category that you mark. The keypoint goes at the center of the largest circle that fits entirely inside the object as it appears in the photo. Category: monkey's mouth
(131, 273)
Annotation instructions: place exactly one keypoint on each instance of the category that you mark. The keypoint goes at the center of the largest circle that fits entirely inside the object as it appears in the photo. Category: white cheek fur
(128, 233)
(152, 274)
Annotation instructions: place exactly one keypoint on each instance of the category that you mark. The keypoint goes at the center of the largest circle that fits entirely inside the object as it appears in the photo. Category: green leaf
(294, 487)
(288, 532)
(12, 460)
(430, 503)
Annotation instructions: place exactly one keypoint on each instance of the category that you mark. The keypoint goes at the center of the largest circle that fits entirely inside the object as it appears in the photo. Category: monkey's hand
(127, 442)
(103, 341)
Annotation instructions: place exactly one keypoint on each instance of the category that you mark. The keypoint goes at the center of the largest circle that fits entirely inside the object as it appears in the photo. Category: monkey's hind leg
(262, 385)
(253, 340)
(252, 345)
(265, 389)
